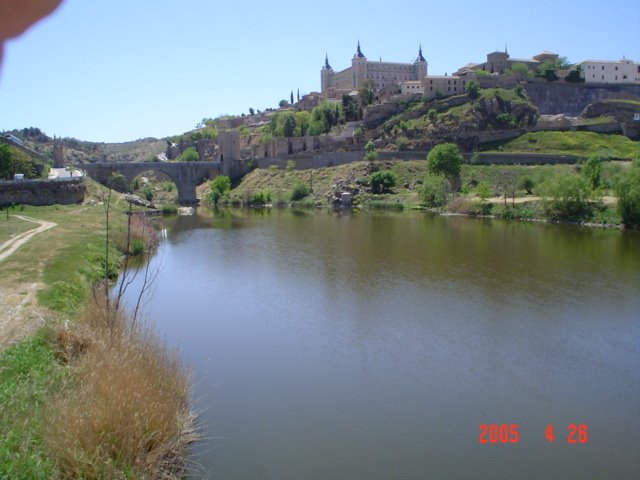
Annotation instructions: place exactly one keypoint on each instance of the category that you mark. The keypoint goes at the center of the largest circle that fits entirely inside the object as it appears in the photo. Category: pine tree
(291, 97)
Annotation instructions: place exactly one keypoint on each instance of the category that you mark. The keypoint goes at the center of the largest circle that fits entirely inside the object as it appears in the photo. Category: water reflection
(373, 345)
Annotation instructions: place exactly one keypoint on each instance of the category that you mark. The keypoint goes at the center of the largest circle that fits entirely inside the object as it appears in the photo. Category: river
(374, 346)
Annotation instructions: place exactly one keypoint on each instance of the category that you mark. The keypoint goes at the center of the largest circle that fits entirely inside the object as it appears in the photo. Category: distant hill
(79, 151)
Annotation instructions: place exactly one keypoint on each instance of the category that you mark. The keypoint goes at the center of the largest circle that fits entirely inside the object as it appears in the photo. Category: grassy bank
(87, 395)
(572, 143)
(500, 180)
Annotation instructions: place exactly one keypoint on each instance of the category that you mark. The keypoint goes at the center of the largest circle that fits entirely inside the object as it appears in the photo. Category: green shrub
(147, 191)
(383, 205)
(628, 192)
(370, 152)
(220, 186)
(483, 191)
(117, 182)
(473, 89)
(382, 182)
(189, 155)
(402, 143)
(434, 190)
(137, 246)
(432, 115)
(262, 197)
(568, 197)
(169, 209)
(526, 183)
(300, 190)
(506, 119)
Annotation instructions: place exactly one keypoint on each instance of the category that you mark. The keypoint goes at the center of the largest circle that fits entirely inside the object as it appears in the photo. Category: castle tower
(420, 66)
(359, 67)
(58, 155)
(326, 75)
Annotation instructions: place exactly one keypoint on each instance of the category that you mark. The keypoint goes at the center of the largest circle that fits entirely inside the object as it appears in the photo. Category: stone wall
(323, 160)
(42, 192)
(553, 98)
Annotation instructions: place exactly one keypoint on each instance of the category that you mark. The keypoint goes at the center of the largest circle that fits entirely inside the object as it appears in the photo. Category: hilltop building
(500, 62)
(606, 71)
(381, 74)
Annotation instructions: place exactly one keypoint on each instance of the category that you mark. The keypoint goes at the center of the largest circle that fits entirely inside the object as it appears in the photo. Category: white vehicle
(13, 139)
(18, 177)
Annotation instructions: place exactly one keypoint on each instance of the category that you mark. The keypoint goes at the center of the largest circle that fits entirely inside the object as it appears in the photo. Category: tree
(434, 190)
(350, 108)
(592, 169)
(473, 89)
(189, 155)
(302, 122)
(289, 126)
(366, 94)
(567, 197)
(382, 182)
(628, 192)
(483, 191)
(283, 103)
(6, 162)
(445, 159)
(291, 102)
(219, 187)
(432, 115)
(252, 112)
(520, 68)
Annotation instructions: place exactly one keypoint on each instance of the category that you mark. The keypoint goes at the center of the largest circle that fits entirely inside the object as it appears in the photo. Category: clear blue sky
(122, 70)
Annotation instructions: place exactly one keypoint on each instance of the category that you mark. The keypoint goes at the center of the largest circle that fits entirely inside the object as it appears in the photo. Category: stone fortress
(380, 74)
(413, 78)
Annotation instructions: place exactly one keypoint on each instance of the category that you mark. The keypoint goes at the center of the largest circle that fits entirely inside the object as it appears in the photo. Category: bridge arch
(185, 175)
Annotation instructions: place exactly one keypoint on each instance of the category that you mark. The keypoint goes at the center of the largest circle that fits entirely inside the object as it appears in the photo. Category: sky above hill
(122, 70)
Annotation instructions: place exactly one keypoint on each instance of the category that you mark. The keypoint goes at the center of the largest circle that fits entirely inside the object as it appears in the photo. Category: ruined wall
(553, 98)
(42, 192)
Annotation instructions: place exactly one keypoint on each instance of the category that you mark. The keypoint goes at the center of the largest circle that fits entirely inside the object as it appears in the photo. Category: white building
(608, 71)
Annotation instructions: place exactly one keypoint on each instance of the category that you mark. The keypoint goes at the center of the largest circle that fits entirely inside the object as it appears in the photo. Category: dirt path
(10, 246)
(20, 314)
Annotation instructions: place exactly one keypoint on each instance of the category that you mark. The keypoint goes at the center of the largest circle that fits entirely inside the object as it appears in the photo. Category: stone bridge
(186, 175)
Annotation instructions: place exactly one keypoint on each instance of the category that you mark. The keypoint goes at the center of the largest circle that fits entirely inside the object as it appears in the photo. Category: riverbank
(503, 191)
(84, 393)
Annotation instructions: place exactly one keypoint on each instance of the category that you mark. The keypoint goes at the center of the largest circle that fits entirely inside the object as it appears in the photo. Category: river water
(373, 346)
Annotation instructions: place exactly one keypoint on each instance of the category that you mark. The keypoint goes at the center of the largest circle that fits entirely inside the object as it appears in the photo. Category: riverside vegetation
(604, 188)
(92, 393)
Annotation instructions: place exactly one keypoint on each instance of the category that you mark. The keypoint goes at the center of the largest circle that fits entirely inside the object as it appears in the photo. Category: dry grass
(141, 232)
(129, 415)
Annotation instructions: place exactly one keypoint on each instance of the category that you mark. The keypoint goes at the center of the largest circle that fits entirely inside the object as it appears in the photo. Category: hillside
(78, 151)
(459, 118)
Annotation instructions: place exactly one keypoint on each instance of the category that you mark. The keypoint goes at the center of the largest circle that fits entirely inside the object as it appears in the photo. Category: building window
(603, 67)
(616, 69)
